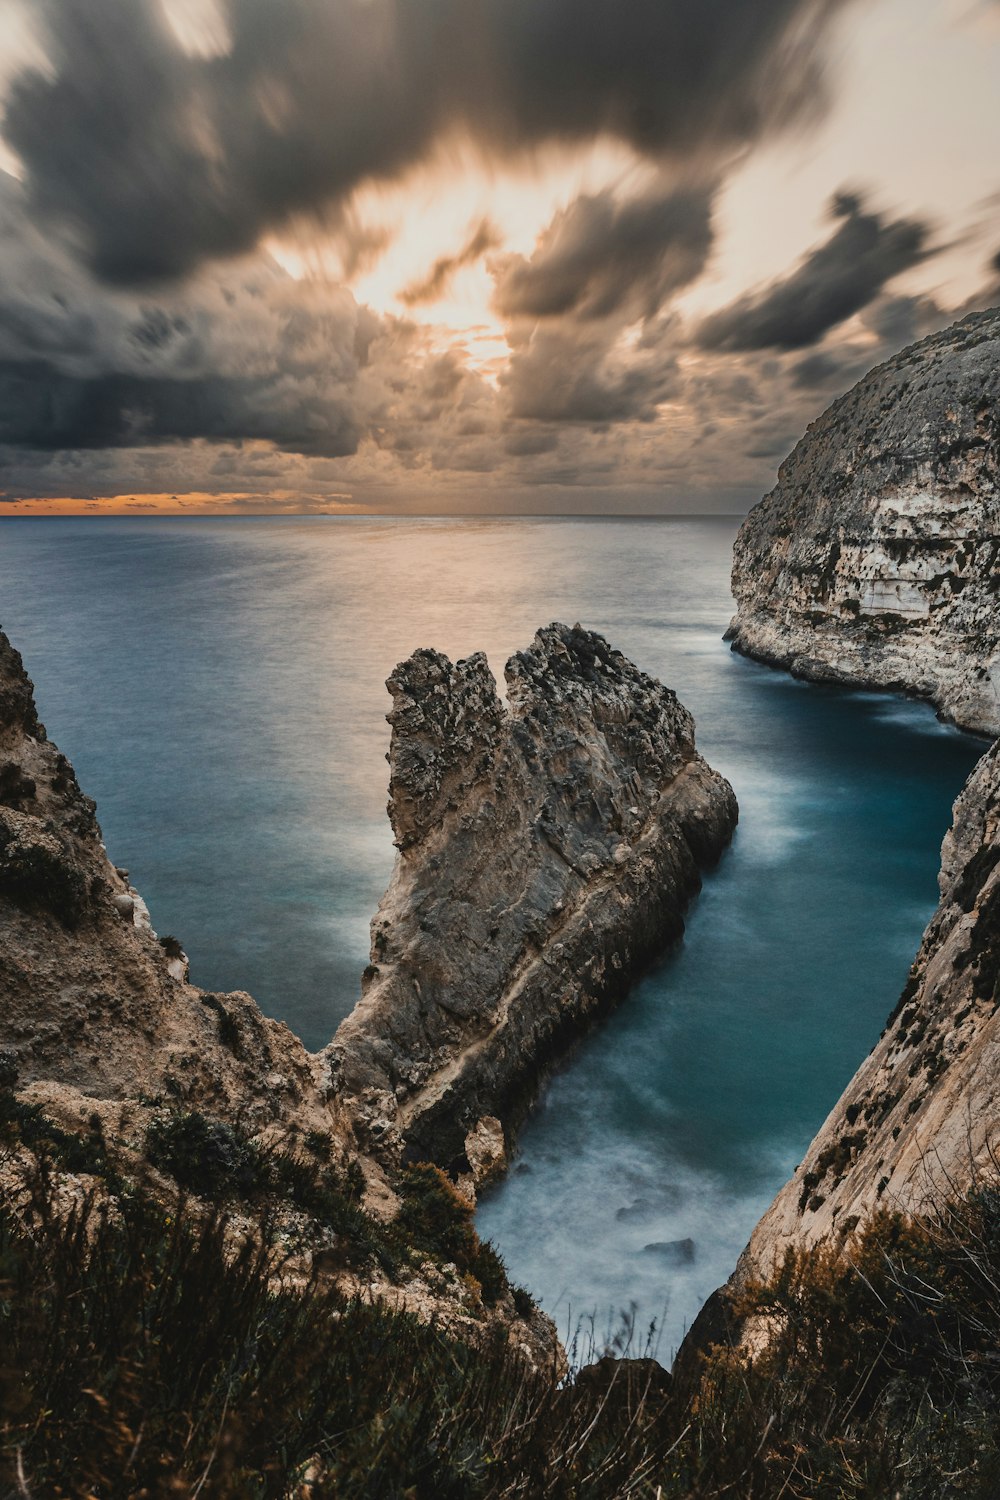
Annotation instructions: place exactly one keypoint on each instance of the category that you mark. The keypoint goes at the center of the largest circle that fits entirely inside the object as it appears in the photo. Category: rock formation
(546, 851)
(89, 998)
(876, 559)
(875, 562)
(921, 1117)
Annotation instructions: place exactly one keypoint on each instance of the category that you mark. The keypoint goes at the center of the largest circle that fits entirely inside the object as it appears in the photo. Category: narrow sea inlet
(218, 687)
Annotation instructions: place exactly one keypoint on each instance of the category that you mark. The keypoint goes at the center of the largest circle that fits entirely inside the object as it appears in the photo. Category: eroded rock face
(921, 1117)
(546, 853)
(876, 559)
(89, 998)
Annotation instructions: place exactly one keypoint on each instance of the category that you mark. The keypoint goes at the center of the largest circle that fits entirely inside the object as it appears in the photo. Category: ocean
(218, 686)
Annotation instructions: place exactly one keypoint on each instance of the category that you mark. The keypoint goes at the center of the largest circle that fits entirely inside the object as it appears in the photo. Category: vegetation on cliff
(145, 1352)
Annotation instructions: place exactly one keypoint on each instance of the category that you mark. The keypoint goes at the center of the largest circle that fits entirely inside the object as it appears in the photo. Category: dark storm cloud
(898, 321)
(157, 158)
(835, 281)
(44, 408)
(819, 371)
(600, 256)
(429, 288)
(257, 357)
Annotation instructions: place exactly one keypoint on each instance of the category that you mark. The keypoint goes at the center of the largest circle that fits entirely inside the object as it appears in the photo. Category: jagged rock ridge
(546, 853)
(876, 559)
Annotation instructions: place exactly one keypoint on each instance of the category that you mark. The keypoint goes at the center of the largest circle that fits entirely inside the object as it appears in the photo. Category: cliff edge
(876, 559)
(90, 999)
(920, 1120)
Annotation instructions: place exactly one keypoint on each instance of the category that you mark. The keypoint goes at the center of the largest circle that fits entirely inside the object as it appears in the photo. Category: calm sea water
(219, 688)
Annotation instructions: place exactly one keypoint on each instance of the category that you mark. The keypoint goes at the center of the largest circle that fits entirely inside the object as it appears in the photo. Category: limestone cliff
(876, 559)
(546, 851)
(921, 1117)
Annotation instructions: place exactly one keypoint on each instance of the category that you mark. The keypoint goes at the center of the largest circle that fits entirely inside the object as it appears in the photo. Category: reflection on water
(219, 687)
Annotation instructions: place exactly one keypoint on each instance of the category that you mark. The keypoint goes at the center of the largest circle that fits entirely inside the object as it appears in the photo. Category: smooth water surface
(218, 686)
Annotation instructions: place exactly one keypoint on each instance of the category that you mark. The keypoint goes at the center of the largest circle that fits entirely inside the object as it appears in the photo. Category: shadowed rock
(674, 1253)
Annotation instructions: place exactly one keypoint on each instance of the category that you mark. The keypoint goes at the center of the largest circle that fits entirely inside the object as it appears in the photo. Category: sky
(471, 256)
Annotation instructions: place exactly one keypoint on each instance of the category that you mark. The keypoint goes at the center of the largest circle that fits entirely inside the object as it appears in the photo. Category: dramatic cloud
(194, 176)
(158, 155)
(580, 372)
(601, 256)
(838, 279)
(253, 357)
(429, 288)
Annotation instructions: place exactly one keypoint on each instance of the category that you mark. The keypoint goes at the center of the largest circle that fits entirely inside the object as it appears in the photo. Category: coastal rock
(546, 852)
(876, 559)
(486, 1150)
(675, 1253)
(89, 997)
(920, 1120)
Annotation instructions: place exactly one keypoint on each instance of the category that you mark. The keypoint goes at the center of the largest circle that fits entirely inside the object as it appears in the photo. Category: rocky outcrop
(876, 559)
(546, 852)
(90, 999)
(921, 1117)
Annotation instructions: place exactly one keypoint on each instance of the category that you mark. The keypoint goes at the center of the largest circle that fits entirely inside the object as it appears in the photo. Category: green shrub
(37, 870)
(319, 1143)
(524, 1302)
(436, 1219)
(229, 1032)
(26, 1124)
(205, 1156)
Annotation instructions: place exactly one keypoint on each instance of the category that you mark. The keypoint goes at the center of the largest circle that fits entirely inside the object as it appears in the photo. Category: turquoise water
(218, 686)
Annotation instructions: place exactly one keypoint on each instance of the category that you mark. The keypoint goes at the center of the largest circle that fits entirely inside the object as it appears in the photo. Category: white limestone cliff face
(921, 1117)
(876, 559)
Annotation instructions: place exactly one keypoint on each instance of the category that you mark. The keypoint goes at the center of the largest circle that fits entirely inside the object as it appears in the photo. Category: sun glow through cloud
(485, 289)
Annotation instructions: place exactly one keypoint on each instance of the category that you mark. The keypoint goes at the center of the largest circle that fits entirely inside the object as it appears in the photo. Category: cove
(218, 687)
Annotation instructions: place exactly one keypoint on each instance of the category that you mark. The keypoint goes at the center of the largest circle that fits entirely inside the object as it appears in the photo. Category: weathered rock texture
(921, 1117)
(876, 559)
(89, 998)
(546, 852)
